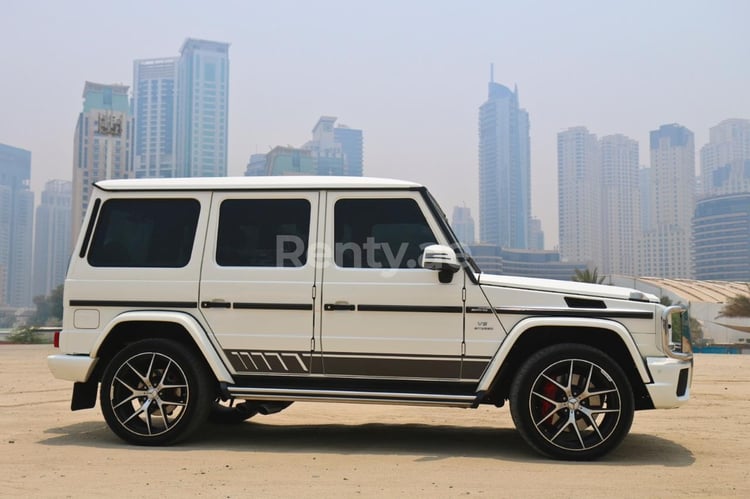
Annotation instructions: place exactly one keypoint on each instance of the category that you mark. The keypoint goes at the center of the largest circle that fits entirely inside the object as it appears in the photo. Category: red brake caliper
(549, 390)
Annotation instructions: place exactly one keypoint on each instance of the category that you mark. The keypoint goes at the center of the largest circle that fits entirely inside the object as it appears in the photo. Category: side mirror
(440, 258)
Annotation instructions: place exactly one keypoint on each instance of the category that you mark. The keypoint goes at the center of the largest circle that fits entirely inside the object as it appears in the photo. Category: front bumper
(671, 381)
(71, 367)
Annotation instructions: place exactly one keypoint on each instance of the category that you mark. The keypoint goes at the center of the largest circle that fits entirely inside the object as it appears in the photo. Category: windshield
(462, 254)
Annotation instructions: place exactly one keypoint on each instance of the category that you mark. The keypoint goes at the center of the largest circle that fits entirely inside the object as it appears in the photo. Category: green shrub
(27, 335)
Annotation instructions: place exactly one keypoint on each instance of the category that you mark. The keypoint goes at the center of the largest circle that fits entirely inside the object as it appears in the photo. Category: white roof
(275, 182)
(700, 291)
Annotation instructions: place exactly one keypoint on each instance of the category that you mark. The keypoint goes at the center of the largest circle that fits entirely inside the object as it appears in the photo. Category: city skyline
(414, 92)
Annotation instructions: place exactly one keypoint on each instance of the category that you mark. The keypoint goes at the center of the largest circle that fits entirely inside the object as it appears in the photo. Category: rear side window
(263, 233)
(144, 233)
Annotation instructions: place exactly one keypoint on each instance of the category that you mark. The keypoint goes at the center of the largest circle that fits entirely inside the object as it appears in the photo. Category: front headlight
(676, 333)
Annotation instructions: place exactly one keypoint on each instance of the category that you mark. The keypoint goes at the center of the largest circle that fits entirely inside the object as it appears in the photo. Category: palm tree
(737, 306)
(588, 276)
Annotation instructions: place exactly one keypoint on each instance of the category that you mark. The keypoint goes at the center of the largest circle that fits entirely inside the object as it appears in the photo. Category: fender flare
(525, 325)
(188, 322)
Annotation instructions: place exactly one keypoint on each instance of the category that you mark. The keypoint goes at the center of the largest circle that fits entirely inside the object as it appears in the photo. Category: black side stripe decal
(609, 313)
(126, 303)
(565, 312)
(410, 308)
(272, 306)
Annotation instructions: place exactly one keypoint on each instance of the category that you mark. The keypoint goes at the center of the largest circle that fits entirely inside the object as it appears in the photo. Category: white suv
(222, 298)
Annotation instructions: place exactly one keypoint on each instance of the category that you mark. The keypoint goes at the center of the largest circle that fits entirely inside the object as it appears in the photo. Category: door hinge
(463, 348)
(314, 291)
(463, 294)
(312, 344)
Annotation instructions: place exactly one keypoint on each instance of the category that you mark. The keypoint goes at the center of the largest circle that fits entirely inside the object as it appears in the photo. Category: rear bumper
(672, 380)
(71, 367)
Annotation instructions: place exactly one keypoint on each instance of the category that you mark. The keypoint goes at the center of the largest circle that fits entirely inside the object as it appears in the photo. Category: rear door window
(263, 233)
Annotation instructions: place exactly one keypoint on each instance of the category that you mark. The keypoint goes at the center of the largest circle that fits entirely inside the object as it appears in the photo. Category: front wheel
(155, 392)
(571, 402)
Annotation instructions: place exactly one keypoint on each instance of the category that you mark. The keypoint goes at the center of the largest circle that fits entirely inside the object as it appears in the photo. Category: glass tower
(504, 169)
(154, 131)
(16, 222)
(725, 160)
(721, 238)
(202, 108)
(351, 145)
(52, 243)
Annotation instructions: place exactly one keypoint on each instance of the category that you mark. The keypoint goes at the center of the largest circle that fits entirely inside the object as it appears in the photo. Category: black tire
(155, 392)
(571, 402)
(231, 412)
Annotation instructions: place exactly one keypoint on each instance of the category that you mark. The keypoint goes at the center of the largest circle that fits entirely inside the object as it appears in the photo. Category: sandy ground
(342, 450)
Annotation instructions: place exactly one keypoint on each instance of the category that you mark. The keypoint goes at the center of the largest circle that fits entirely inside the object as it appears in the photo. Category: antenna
(492, 72)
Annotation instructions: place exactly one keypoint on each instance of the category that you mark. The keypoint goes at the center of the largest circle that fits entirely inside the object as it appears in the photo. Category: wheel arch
(133, 326)
(530, 335)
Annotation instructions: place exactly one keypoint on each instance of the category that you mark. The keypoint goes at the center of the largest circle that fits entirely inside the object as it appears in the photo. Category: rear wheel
(572, 402)
(155, 392)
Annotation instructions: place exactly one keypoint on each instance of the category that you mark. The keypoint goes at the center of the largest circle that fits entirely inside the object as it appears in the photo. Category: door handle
(338, 306)
(216, 304)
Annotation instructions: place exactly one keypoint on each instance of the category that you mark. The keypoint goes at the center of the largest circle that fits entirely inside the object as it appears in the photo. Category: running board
(352, 396)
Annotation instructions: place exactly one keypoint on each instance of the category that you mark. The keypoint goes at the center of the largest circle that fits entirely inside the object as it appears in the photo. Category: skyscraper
(644, 186)
(536, 234)
(725, 160)
(579, 196)
(52, 237)
(620, 225)
(202, 108)
(665, 248)
(721, 238)
(289, 161)
(101, 143)
(351, 145)
(504, 169)
(335, 150)
(327, 154)
(256, 166)
(16, 222)
(154, 125)
(463, 225)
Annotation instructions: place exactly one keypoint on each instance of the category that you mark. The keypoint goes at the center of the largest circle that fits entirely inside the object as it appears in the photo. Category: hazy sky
(410, 74)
